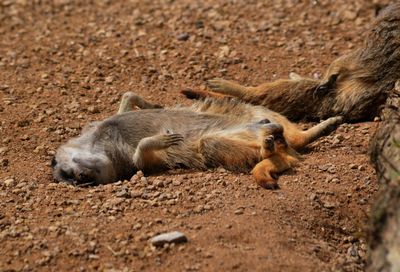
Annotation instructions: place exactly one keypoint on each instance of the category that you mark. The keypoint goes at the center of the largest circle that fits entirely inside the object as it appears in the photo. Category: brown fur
(354, 86)
(211, 133)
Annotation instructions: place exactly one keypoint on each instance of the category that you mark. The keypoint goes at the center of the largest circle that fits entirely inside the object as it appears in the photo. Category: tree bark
(384, 238)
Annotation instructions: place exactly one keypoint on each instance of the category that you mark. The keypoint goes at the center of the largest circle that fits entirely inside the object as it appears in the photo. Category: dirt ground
(64, 63)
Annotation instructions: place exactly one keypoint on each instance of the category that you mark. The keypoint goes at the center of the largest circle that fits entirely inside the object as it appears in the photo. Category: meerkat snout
(79, 167)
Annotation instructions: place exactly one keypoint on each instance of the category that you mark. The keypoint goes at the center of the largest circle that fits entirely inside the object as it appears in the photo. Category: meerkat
(211, 133)
(355, 85)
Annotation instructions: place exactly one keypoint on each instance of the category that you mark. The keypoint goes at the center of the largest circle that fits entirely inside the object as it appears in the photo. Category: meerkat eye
(84, 178)
(53, 162)
(65, 175)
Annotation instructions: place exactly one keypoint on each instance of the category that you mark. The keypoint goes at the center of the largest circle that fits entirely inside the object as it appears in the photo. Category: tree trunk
(384, 240)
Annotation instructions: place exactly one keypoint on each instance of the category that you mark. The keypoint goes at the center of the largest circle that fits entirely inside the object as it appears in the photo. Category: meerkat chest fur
(135, 140)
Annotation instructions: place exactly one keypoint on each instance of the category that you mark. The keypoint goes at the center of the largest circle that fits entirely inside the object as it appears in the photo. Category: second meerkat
(355, 85)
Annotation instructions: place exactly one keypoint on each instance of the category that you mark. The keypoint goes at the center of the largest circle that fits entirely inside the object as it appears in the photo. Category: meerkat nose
(274, 127)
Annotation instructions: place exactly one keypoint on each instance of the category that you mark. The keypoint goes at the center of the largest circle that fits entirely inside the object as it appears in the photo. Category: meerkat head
(76, 165)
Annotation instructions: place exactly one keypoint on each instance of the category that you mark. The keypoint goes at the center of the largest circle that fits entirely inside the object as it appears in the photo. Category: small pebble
(123, 193)
(239, 211)
(170, 237)
(93, 109)
(353, 166)
(176, 182)
(183, 36)
(329, 205)
(10, 182)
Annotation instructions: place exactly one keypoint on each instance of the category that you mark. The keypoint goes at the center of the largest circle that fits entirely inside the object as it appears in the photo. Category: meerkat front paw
(168, 140)
(333, 123)
(269, 143)
(216, 84)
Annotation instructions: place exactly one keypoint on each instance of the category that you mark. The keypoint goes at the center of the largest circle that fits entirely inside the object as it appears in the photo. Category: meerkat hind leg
(130, 100)
(266, 171)
(299, 139)
(228, 151)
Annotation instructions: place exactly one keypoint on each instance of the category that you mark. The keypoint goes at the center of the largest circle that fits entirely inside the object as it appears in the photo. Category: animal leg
(227, 87)
(297, 138)
(221, 89)
(131, 100)
(275, 143)
(231, 152)
(251, 94)
(271, 139)
(266, 171)
(278, 94)
(278, 156)
(147, 153)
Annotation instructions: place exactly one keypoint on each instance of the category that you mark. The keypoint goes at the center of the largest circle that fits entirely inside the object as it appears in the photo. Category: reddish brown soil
(64, 63)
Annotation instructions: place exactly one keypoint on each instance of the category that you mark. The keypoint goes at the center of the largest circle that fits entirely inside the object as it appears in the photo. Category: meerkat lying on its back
(355, 85)
(211, 133)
